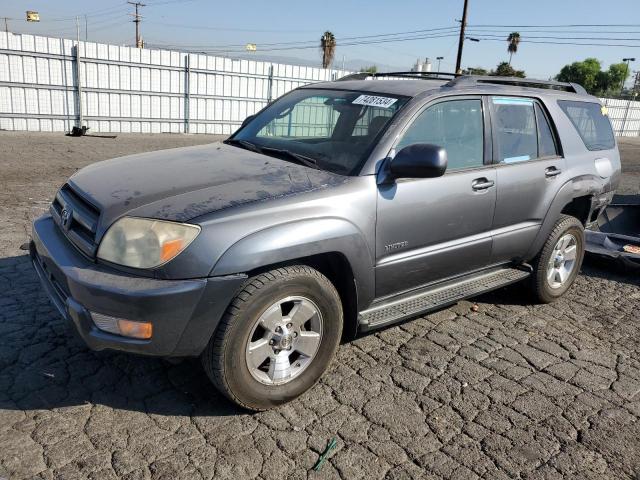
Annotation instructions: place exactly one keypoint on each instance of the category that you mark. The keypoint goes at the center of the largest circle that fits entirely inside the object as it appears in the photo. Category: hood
(183, 183)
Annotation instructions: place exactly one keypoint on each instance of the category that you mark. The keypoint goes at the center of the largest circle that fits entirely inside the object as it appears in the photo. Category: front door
(433, 229)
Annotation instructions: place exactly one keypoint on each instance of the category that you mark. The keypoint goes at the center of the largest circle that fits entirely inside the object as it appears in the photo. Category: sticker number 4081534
(375, 101)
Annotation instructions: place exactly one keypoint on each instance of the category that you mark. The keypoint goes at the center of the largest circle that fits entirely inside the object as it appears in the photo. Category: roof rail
(471, 80)
(418, 75)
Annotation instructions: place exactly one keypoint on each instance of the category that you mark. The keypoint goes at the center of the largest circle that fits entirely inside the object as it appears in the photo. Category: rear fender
(586, 185)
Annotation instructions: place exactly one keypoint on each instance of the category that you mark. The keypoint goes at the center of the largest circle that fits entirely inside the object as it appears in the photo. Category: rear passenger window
(455, 125)
(515, 129)
(546, 142)
(591, 122)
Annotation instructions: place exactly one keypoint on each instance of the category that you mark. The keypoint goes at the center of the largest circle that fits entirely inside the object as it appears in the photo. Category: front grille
(76, 218)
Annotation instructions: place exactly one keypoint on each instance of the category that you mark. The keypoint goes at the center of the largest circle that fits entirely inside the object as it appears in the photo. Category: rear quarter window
(591, 122)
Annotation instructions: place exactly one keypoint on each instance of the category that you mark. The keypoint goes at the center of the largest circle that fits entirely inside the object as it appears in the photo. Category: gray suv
(339, 208)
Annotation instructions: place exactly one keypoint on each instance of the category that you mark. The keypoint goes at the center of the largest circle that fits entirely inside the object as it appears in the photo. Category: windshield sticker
(374, 101)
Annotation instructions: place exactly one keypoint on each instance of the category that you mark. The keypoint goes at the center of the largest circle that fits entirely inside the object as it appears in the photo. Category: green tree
(328, 48)
(475, 71)
(590, 75)
(617, 75)
(505, 70)
(514, 41)
(369, 69)
(587, 73)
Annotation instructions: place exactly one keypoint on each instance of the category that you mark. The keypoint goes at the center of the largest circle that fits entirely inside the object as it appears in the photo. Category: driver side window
(455, 125)
(311, 118)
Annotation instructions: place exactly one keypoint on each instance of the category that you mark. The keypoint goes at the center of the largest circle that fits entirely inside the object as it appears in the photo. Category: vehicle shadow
(43, 365)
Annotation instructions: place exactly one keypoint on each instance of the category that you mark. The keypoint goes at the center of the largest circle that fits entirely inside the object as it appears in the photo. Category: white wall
(126, 89)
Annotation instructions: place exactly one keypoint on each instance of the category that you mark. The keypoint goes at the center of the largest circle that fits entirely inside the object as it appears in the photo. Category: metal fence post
(187, 93)
(626, 116)
(270, 84)
(79, 85)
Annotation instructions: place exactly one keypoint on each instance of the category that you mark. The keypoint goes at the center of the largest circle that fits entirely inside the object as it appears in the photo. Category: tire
(547, 284)
(228, 361)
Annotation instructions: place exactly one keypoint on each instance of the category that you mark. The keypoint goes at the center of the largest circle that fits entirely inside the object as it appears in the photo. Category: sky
(226, 26)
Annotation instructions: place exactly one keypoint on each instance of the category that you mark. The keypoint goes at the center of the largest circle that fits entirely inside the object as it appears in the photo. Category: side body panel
(432, 229)
(339, 219)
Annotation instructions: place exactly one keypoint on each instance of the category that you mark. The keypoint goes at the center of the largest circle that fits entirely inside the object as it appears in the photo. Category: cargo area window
(592, 123)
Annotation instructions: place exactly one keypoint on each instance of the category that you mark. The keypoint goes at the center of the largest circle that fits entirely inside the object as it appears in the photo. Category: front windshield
(332, 130)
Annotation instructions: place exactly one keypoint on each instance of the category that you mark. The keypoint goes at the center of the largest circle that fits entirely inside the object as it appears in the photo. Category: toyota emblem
(65, 218)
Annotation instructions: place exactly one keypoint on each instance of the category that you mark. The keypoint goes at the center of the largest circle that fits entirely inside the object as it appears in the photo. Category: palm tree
(328, 48)
(514, 41)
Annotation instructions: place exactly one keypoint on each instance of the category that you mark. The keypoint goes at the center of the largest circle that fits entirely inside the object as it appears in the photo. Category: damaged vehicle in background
(341, 207)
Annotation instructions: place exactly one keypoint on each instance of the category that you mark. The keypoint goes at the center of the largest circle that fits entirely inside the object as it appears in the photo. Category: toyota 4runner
(339, 208)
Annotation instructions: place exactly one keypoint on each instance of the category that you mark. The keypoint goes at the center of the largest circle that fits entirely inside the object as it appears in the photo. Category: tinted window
(515, 129)
(546, 142)
(336, 129)
(309, 118)
(591, 122)
(457, 126)
(372, 122)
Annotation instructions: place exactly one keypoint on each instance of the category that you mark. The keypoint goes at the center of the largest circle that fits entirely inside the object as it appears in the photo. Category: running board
(438, 296)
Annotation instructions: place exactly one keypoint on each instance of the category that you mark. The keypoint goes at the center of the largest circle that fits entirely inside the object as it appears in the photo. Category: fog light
(119, 326)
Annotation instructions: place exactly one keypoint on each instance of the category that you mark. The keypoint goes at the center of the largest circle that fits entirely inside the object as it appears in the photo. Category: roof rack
(418, 75)
(461, 80)
(472, 80)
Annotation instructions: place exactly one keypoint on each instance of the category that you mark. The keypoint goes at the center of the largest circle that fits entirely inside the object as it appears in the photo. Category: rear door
(529, 169)
(430, 229)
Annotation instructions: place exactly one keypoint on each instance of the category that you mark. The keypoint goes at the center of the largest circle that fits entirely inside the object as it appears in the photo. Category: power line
(576, 25)
(95, 13)
(216, 48)
(489, 36)
(568, 43)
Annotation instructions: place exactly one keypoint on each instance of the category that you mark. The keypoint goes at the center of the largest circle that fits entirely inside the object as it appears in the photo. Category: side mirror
(420, 160)
(247, 120)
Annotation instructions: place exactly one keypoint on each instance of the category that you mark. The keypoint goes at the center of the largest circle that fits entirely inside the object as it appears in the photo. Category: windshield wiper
(244, 144)
(296, 157)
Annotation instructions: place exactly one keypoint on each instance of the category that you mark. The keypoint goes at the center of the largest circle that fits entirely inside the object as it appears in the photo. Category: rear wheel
(558, 263)
(277, 337)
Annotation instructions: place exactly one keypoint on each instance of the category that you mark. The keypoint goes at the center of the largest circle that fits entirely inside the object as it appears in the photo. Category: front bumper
(184, 313)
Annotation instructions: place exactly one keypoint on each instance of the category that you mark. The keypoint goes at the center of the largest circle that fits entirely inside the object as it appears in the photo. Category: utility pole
(78, 76)
(636, 85)
(463, 25)
(626, 73)
(6, 24)
(439, 60)
(137, 18)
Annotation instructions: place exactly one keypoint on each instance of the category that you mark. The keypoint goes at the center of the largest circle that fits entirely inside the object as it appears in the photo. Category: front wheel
(558, 263)
(277, 337)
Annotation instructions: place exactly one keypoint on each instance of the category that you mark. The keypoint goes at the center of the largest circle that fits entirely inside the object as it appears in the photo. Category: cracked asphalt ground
(508, 391)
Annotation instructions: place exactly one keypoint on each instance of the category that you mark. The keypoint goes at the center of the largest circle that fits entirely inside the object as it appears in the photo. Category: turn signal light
(120, 326)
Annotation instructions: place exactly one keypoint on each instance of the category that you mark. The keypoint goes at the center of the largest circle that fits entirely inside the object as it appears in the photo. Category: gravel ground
(508, 391)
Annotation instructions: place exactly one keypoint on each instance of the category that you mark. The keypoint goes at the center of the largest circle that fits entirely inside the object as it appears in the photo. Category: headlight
(145, 243)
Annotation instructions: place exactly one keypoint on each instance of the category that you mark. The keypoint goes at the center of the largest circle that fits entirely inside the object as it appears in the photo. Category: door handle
(552, 172)
(482, 184)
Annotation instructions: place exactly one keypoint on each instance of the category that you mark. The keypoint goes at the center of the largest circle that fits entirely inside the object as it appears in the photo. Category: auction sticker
(375, 101)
